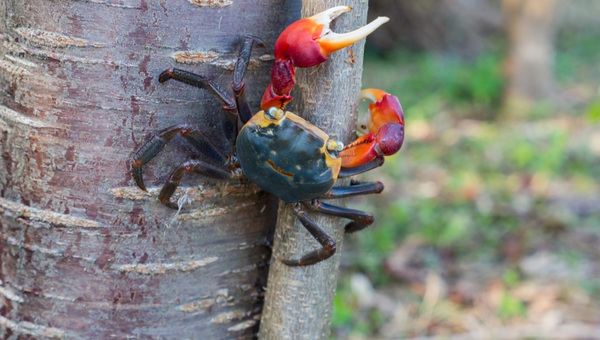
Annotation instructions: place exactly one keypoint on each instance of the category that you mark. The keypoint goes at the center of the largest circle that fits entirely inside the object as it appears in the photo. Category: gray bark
(83, 252)
(298, 302)
(529, 65)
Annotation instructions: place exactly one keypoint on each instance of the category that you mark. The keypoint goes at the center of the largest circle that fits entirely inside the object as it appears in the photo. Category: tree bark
(299, 300)
(83, 252)
(530, 59)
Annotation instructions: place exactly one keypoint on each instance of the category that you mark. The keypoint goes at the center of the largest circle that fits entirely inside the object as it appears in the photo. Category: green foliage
(511, 277)
(593, 111)
(577, 58)
(511, 307)
(344, 313)
(430, 81)
(480, 82)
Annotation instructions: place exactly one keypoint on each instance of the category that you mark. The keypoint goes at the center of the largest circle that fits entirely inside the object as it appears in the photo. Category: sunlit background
(490, 221)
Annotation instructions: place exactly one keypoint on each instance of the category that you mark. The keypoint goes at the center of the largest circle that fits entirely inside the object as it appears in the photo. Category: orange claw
(382, 128)
(306, 43)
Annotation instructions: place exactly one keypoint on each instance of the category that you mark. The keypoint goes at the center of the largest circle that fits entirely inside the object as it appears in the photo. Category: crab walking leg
(195, 166)
(360, 219)
(307, 43)
(190, 132)
(327, 243)
(355, 188)
(238, 86)
(230, 119)
(200, 82)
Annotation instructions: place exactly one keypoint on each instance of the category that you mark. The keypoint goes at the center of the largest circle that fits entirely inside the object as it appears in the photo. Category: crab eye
(333, 147)
(274, 113)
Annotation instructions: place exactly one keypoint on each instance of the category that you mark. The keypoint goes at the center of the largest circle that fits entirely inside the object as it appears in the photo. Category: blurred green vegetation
(429, 81)
(474, 185)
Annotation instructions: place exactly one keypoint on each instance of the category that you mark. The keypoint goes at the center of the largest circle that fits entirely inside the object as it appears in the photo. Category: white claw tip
(381, 20)
(328, 15)
(331, 41)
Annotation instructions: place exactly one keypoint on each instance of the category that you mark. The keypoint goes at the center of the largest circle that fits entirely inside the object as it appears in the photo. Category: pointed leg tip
(170, 204)
(256, 40)
(165, 76)
(136, 170)
(141, 185)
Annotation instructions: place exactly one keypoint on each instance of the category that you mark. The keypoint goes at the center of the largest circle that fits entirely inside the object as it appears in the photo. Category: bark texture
(529, 65)
(299, 300)
(83, 252)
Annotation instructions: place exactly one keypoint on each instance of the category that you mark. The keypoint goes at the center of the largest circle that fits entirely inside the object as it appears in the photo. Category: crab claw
(307, 43)
(382, 128)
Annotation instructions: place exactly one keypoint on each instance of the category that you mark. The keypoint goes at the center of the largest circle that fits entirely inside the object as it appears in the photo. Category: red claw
(383, 129)
(306, 43)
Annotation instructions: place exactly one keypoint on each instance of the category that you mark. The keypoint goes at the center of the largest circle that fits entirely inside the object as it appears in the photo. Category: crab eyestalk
(382, 128)
(307, 43)
(334, 145)
(274, 113)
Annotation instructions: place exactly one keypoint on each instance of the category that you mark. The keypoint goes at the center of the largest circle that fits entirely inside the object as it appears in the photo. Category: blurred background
(489, 226)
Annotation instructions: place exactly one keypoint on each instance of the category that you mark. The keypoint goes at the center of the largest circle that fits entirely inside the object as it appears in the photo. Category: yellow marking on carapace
(334, 164)
(280, 170)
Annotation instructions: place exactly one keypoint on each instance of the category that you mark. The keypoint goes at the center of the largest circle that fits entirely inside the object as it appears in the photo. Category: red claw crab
(279, 151)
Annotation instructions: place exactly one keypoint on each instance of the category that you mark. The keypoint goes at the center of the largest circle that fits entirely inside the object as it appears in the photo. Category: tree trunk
(299, 300)
(83, 252)
(530, 59)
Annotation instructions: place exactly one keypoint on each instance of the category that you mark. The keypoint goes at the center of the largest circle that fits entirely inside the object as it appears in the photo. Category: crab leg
(230, 119)
(200, 82)
(383, 129)
(238, 86)
(327, 243)
(360, 219)
(355, 188)
(196, 166)
(191, 133)
(307, 43)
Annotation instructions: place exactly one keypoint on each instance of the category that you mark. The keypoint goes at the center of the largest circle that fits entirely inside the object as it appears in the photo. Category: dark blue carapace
(287, 157)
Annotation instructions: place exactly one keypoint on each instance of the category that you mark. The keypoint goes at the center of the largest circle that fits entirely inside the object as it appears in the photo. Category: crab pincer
(307, 43)
(382, 128)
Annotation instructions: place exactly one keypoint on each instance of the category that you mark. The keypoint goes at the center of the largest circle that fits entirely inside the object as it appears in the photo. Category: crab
(278, 150)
